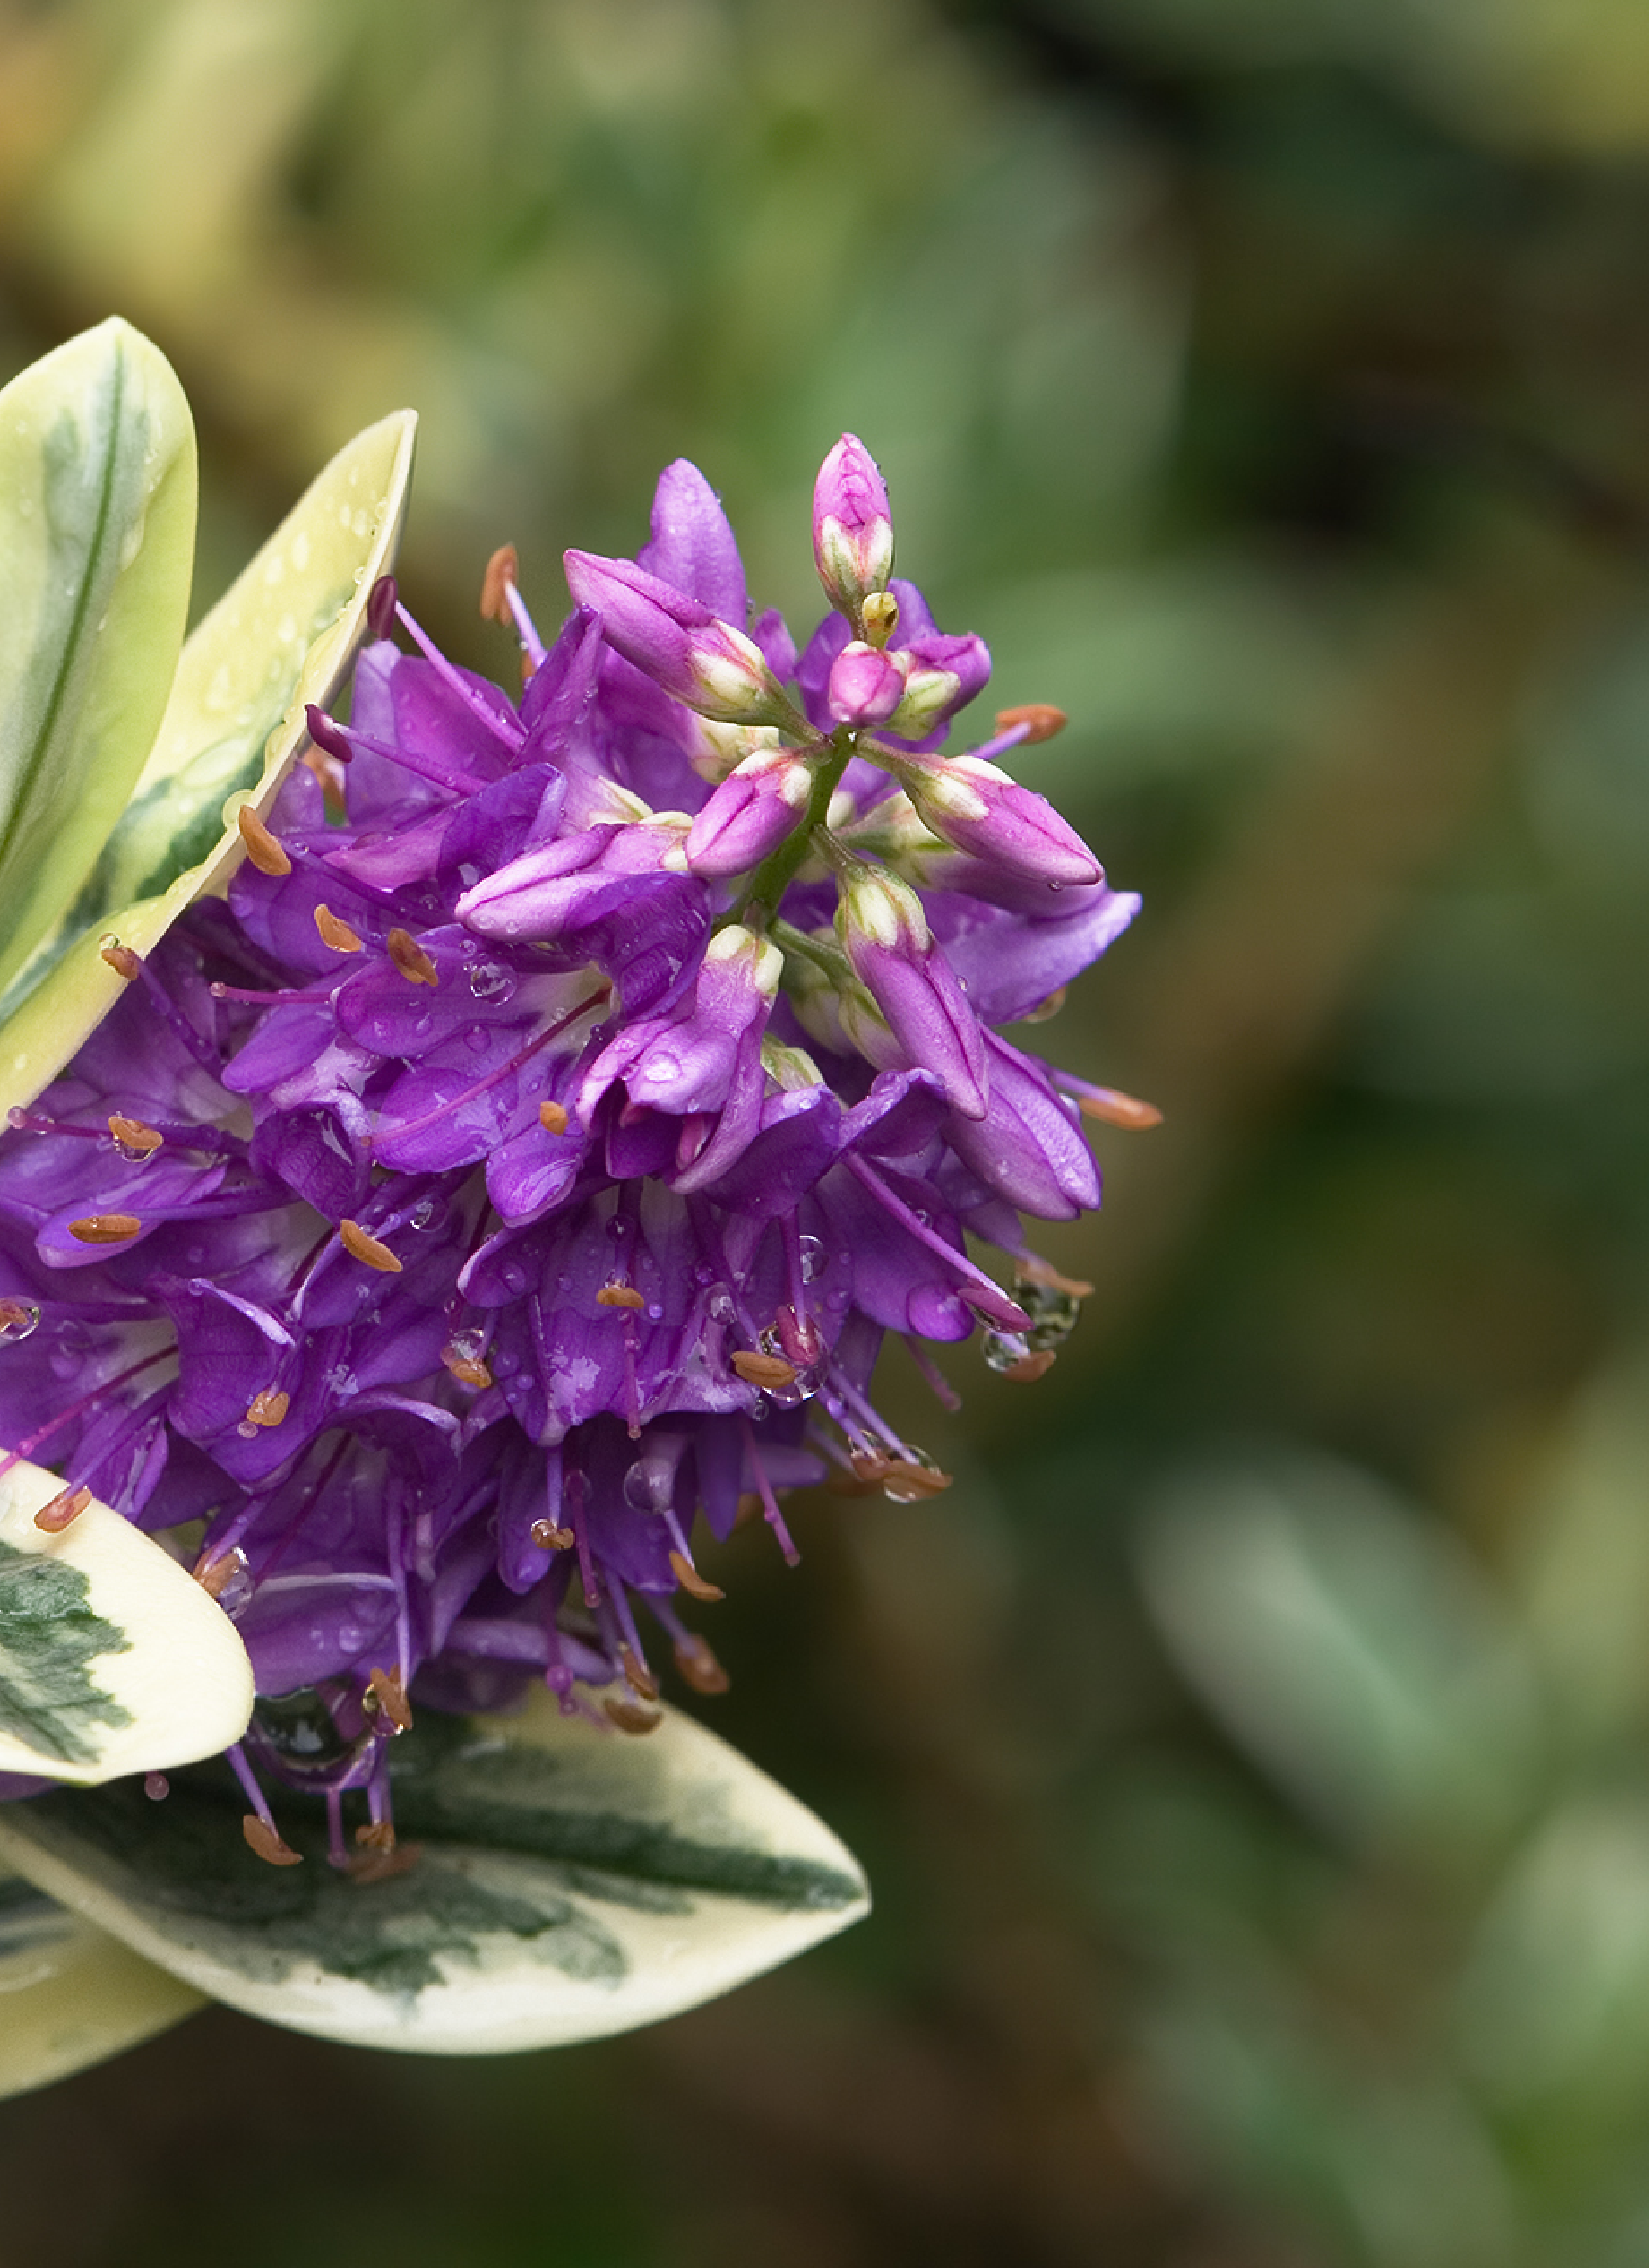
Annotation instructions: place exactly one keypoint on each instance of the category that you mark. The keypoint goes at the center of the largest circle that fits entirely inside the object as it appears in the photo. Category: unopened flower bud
(852, 533)
(942, 674)
(881, 617)
(865, 686)
(886, 937)
(719, 749)
(978, 809)
(749, 814)
(685, 649)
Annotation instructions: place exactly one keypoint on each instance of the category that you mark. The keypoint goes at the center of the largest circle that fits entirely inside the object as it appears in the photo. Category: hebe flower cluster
(528, 1157)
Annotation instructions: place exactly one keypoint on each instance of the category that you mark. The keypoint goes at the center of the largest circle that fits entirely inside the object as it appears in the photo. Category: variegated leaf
(284, 635)
(569, 1881)
(112, 1660)
(70, 1994)
(97, 543)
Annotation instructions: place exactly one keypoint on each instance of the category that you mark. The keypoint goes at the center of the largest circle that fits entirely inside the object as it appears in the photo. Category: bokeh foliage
(1250, 1752)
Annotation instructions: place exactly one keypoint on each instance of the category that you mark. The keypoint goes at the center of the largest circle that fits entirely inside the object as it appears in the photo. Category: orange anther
(132, 1134)
(770, 1372)
(552, 1117)
(66, 1506)
(267, 1409)
(105, 1228)
(337, 933)
(700, 1668)
(691, 1581)
(410, 958)
(121, 958)
(269, 1844)
(619, 1295)
(1119, 1110)
(385, 1696)
(503, 573)
(361, 1246)
(262, 848)
(1042, 718)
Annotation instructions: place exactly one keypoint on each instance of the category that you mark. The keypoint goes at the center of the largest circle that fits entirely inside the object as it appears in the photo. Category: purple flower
(454, 1219)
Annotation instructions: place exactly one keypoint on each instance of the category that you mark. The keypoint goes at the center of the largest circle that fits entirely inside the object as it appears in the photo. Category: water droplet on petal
(813, 1259)
(19, 1319)
(650, 1485)
(489, 982)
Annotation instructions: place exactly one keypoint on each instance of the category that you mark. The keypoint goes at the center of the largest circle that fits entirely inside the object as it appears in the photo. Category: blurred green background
(1251, 1752)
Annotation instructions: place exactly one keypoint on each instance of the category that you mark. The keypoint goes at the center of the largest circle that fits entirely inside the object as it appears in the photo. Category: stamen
(902, 1478)
(979, 1290)
(1030, 1367)
(466, 692)
(269, 1844)
(552, 1117)
(31, 1441)
(639, 1675)
(156, 1786)
(311, 996)
(63, 1509)
(619, 1295)
(1109, 1104)
(268, 1408)
(691, 1581)
(381, 604)
(383, 1866)
(699, 1666)
(259, 1827)
(18, 1318)
(630, 1717)
(1045, 1010)
(337, 933)
(410, 958)
(465, 1363)
(377, 1835)
(262, 848)
(943, 1392)
(341, 740)
(1033, 1269)
(499, 579)
(361, 1246)
(133, 1134)
(774, 1517)
(385, 1696)
(105, 1228)
(1040, 719)
(121, 958)
(549, 1537)
(770, 1372)
(217, 1567)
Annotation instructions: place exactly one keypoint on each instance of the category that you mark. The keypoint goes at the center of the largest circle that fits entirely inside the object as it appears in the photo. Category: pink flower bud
(865, 685)
(685, 649)
(853, 534)
(886, 937)
(978, 809)
(749, 814)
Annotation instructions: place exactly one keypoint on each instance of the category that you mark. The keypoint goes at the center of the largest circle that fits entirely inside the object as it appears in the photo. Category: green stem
(773, 877)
